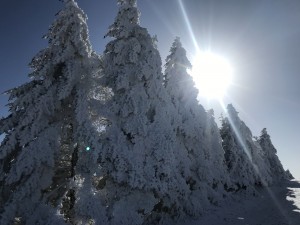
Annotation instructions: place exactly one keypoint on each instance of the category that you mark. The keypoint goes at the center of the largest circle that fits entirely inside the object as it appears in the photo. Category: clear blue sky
(260, 38)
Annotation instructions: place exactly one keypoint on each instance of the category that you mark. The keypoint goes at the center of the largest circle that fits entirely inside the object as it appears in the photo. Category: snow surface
(276, 205)
(294, 196)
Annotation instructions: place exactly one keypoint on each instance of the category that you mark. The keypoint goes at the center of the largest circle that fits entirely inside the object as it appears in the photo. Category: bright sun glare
(212, 75)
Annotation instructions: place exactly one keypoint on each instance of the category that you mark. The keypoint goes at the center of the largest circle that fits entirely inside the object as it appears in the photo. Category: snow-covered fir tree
(244, 159)
(276, 169)
(48, 127)
(217, 162)
(196, 131)
(141, 157)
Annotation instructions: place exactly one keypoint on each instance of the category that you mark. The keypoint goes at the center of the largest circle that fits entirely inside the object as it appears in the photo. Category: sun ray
(189, 26)
(246, 150)
(239, 138)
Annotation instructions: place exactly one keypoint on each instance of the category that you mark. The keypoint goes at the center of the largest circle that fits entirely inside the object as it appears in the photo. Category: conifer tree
(195, 130)
(217, 163)
(140, 157)
(271, 159)
(244, 160)
(48, 127)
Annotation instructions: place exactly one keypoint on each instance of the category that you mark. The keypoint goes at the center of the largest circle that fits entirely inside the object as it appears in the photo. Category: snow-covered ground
(277, 205)
(294, 196)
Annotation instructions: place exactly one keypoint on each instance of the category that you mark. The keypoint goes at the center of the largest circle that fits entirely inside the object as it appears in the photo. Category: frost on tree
(47, 128)
(140, 158)
(289, 175)
(196, 131)
(244, 159)
(270, 153)
(217, 164)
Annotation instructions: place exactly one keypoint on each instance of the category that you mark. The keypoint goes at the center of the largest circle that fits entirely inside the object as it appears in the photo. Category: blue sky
(260, 38)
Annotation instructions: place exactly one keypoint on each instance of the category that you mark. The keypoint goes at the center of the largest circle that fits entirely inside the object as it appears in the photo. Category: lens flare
(212, 75)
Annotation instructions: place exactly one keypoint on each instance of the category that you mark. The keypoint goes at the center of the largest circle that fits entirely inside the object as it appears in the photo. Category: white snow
(294, 197)
(275, 205)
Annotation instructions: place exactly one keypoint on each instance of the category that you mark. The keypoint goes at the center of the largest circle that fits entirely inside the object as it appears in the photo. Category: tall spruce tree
(48, 127)
(196, 131)
(140, 156)
(217, 163)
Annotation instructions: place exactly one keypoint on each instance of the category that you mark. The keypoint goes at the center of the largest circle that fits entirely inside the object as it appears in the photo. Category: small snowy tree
(48, 127)
(271, 158)
(244, 159)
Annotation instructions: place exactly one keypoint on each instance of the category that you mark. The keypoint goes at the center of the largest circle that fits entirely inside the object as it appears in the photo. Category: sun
(212, 75)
